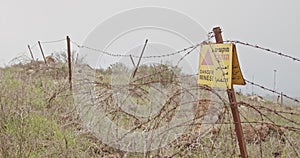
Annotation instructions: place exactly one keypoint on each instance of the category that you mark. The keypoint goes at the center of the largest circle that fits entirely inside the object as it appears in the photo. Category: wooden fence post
(30, 52)
(42, 52)
(69, 61)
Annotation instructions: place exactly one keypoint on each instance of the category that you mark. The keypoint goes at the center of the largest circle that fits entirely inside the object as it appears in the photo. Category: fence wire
(273, 91)
(53, 41)
(268, 128)
(265, 49)
(135, 56)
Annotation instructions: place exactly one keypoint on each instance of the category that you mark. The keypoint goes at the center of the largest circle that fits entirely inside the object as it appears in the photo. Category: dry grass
(38, 119)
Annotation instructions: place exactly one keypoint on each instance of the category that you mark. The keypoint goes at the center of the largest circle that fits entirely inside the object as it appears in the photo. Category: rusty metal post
(30, 52)
(218, 34)
(233, 105)
(42, 52)
(69, 62)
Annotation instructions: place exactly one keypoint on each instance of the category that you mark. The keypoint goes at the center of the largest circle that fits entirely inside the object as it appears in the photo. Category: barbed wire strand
(135, 56)
(33, 46)
(47, 42)
(186, 54)
(272, 122)
(265, 49)
(264, 88)
(53, 41)
(256, 132)
(261, 110)
(273, 91)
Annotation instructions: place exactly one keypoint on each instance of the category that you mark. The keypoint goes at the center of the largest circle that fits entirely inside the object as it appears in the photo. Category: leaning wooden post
(42, 52)
(30, 52)
(233, 105)
(69, 62)
(138, 64)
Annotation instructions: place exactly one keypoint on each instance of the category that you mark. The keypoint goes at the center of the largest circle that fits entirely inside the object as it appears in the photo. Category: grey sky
(273, 24)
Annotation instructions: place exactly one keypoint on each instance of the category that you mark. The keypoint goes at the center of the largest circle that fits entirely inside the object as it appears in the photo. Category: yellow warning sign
(219, 66)
(237, 76)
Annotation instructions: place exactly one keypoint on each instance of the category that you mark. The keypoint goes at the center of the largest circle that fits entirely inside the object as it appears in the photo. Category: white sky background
(273, 24)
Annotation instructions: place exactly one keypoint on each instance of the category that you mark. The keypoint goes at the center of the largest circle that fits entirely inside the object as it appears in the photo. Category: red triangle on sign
(207, 59)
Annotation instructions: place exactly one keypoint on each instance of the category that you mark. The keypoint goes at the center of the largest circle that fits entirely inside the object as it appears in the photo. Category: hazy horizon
(271, 24)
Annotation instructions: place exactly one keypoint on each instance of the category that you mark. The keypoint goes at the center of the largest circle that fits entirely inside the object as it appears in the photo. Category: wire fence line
(53, 41)
(210, 36)
(264, 124)
(33, 46)
(273, 91)
(257, 118)
(128, 55)
(262, 87)
(47, 42)
(187, 51)
(265, 49)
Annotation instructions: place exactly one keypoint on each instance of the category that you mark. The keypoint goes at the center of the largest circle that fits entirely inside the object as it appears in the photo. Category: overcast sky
(273, 24)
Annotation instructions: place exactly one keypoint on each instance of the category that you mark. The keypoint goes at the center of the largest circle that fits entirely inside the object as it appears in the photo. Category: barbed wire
(47, 42)
(273, 91)
(218, 142)
(260, 110)
(135, 56)
(189, 49)
(264, 88)
(164, 113)
(265, 49)
(53, 41)
(210, 35)
(35, 44)
(186, 54)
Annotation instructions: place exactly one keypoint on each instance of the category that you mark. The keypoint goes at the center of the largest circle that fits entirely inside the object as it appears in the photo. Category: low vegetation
(38, 118)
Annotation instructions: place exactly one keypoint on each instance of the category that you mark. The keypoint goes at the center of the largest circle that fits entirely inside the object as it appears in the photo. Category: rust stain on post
(233, 105)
